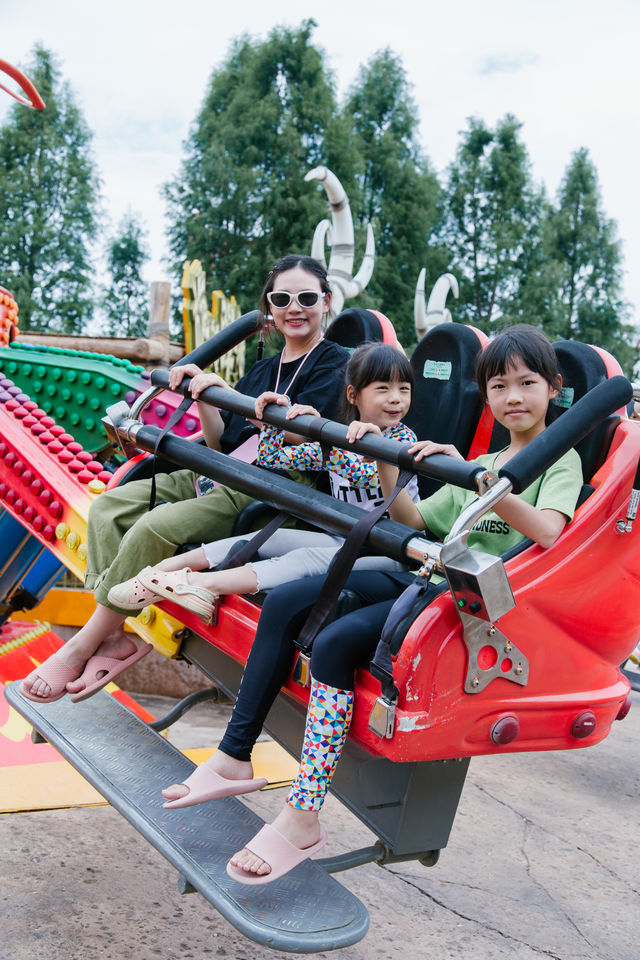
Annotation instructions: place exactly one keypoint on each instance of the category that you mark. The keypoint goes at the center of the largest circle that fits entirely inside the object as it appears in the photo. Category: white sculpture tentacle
(322, 231)
(339, 235)
(436, 311)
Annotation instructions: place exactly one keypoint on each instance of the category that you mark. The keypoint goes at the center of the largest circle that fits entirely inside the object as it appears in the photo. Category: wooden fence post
(158, 326)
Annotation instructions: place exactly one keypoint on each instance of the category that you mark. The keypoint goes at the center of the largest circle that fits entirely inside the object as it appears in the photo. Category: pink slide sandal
(281, 855)
(56, 672)
(205, 784)
(112, 667)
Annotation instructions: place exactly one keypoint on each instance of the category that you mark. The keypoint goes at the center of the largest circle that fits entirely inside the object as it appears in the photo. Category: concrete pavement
(542, 863)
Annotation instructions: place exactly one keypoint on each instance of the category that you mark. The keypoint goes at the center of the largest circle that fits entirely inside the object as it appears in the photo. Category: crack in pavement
(559, 838)
(468, 919)
(473, 886)
(528, 825)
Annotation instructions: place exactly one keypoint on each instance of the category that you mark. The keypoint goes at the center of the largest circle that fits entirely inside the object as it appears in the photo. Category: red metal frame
(575, 620)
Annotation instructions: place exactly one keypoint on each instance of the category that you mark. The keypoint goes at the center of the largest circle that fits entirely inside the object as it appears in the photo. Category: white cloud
(507, 63)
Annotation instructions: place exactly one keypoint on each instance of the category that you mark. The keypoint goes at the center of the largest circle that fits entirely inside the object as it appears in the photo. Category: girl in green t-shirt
(518, 377)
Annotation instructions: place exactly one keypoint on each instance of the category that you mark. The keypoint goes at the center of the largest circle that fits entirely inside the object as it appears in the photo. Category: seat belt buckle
(382, 719)
(302, 669)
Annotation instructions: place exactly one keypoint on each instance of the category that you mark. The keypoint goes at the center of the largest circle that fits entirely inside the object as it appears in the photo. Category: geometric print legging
(328, 719)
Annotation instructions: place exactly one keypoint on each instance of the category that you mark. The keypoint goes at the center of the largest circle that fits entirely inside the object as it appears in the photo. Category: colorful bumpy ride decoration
(47, 484)
(8, 318)
(200, 324)
(75, 387)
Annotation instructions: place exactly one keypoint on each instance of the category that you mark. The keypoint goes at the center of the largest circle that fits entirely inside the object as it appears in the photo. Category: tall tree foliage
(126, 299)
(582, 245)
(493, 220)
(240, 201)
(398, 192)
(270, 114)
(48, 205)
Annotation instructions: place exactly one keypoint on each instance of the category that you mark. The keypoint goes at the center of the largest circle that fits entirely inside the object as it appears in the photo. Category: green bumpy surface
(72, 386)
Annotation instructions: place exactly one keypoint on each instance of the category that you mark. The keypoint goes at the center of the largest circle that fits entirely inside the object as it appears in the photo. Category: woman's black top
(320, 384)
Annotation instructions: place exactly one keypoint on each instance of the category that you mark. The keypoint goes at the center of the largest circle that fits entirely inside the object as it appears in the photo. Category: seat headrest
(583, 369)
(446, 403)
(355, 326)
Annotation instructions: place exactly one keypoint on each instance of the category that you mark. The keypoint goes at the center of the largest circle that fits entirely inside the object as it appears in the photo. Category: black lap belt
(245, 551)
(391, 638)
(185, 403)
(341, 567)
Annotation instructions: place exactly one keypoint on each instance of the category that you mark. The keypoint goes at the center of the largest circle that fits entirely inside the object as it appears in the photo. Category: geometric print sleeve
(308, 456)
(358, 471)
(273, 454)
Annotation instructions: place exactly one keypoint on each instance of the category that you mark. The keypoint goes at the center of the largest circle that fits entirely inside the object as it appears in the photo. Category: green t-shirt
(557, 489)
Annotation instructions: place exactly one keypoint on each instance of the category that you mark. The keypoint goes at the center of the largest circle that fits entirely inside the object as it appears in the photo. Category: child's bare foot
(300, 827)
(221, 763)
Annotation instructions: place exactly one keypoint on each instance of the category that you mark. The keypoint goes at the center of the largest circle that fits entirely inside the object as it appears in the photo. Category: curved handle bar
(439, 466)
(227, 338)
(35, 100)
(566, 432)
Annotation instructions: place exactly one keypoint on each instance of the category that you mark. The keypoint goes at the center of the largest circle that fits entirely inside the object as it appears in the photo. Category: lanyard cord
(298, 369)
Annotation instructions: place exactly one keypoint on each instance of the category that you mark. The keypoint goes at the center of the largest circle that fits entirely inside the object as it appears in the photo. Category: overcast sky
(567, 69)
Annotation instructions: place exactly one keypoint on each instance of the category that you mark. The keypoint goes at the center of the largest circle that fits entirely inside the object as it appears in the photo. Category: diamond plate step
(128, 763)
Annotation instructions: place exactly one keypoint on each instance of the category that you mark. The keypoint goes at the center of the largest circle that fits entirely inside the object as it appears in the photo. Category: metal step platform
(306, 911)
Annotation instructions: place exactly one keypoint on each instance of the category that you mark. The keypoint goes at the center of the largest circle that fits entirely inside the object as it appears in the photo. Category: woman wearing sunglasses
(123, 536)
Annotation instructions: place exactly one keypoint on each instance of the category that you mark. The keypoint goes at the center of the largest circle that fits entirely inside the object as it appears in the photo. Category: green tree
(48, 205)
(240, 201)
(493, 221)
(582, 246)
(398, 193)
(126, 299)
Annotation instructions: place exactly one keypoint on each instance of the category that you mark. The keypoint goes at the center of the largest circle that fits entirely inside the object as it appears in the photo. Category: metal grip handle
(226, 339)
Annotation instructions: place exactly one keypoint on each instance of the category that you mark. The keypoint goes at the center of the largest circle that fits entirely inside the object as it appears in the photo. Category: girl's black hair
(292, 260)
(521, 342)
(370, 362)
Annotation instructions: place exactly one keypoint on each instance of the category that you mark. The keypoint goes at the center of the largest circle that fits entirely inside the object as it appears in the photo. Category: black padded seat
(353, 327)
(583, 369)
(446, 404)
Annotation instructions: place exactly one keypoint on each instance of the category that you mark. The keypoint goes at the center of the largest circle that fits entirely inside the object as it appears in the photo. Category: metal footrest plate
(128, 763)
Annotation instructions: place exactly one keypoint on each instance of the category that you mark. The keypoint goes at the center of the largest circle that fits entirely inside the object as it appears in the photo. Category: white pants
(292, 555)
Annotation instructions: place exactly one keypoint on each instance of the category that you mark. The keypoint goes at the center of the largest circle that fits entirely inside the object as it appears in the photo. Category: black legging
(337, 650)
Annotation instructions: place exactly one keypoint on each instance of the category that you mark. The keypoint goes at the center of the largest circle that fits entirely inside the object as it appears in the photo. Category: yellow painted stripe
(55, 785)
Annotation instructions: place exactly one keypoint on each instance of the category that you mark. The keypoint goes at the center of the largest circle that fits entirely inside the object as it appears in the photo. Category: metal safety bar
(439, 466)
